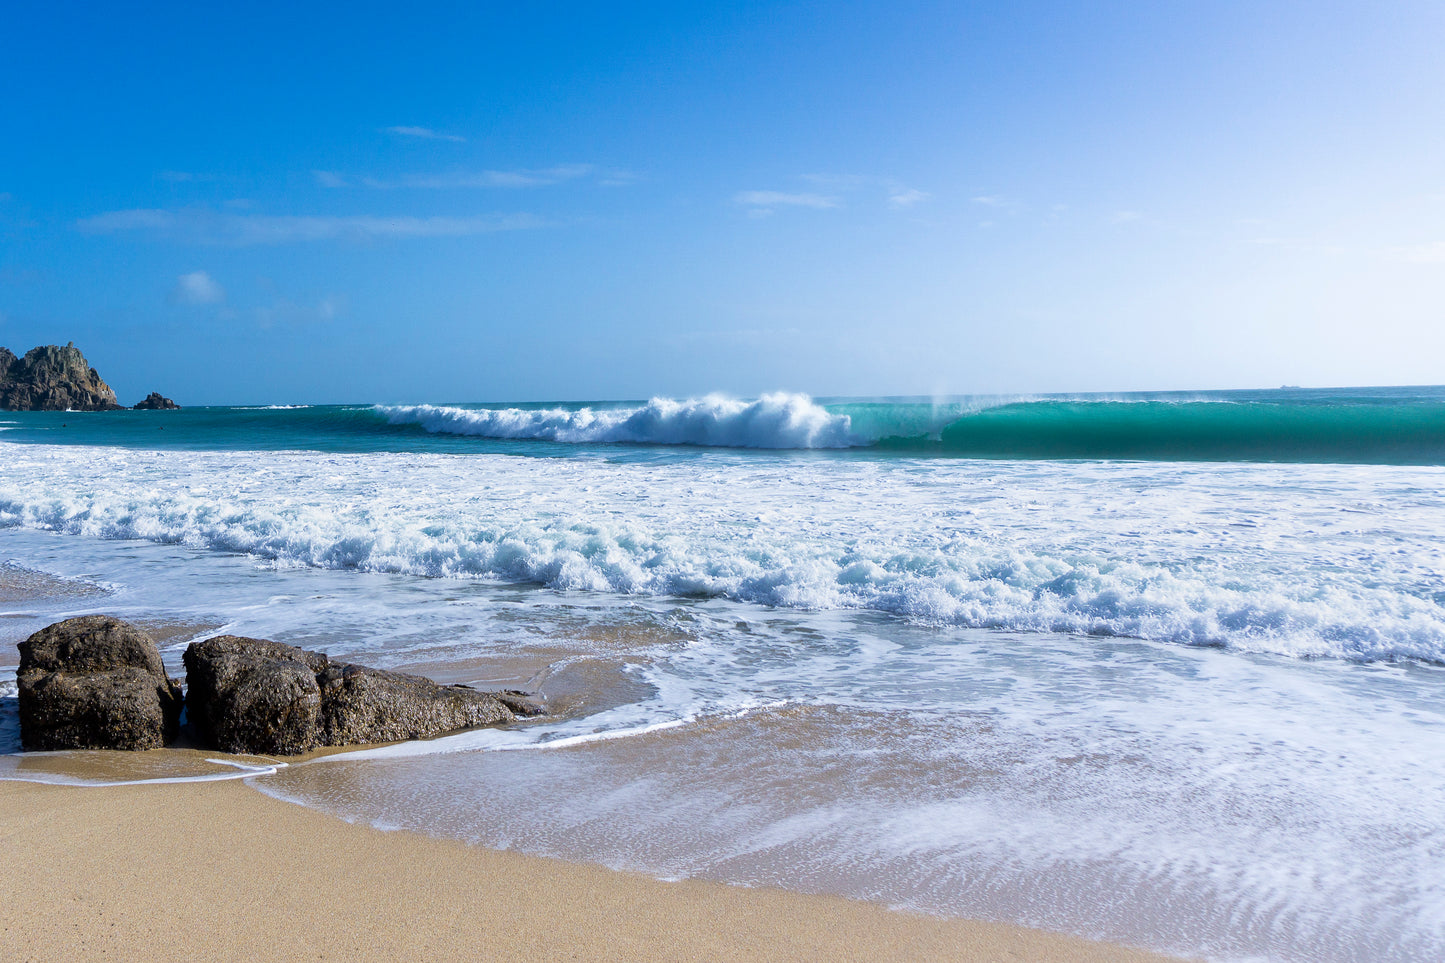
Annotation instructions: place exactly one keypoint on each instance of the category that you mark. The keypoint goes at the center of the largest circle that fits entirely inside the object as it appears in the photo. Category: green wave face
(1407, 434)
(1386, 426)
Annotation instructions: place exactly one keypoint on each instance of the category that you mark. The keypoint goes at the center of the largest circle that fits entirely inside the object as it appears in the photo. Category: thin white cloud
(618, 178)
(900, 196)
(423, 133)
(198, 287)
(329, 307)
(461, 180)
(184, 177)
(1125, 217)
(210, 227)
(772, 199)
(493, 178)
(330, 179)
(288, 312)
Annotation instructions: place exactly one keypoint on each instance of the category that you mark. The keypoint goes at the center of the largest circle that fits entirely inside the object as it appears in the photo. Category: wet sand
(219, 871)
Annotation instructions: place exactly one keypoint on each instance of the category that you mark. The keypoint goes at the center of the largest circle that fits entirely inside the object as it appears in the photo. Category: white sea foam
(773, 421)
(230, 769)
(1321, 561)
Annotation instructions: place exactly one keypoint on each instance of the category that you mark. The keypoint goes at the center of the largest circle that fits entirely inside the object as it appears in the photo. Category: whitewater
(1189, 701)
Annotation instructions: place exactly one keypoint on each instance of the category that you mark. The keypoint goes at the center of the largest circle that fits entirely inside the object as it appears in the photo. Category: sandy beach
(219, 871)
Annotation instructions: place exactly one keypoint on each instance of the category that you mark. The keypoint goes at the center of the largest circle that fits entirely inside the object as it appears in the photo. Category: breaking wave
(778, 420)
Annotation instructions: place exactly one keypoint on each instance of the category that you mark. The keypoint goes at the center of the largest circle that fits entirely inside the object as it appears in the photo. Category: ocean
(1165, 669)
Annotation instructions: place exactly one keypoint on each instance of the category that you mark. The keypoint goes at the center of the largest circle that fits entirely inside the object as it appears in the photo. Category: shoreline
(219, 870)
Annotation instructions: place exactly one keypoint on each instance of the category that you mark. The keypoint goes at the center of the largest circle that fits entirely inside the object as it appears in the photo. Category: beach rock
(95, 682)
(253, 695)
(52, 378)
(259, 696)
(155, 401)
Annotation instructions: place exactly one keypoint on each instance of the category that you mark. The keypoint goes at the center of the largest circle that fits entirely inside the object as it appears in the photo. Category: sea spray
(773, 421)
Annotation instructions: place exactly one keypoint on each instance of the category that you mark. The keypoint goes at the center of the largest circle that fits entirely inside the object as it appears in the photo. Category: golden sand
(218, 871)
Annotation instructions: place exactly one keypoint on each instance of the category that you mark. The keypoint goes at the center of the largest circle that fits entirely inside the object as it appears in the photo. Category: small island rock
(95, 682)
(258, 696)
(155, 401)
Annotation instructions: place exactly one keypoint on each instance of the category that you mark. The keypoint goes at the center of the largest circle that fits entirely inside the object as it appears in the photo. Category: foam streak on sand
(230, 769)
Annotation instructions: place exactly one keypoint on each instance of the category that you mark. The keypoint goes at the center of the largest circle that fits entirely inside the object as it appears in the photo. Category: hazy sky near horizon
(383, 202)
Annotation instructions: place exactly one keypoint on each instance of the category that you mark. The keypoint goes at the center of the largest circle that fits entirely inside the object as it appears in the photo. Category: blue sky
(359, 203)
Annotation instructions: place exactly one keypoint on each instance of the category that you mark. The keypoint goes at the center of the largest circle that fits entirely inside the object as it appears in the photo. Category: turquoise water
(1388, 426)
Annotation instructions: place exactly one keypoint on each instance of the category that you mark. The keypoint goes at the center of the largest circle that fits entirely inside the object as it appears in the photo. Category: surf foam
(780, 420)
(1329, 561)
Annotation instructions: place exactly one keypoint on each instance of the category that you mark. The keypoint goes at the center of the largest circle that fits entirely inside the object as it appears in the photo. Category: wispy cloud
(1125, 217)
(900, 195)
(762, 203)
(288, 312)
(184, 177)
(198, 287)
(460, 180)
(205, 226)
(997, 201)
(493, 178)
(330, 179)
(618, 178)
(423, 133)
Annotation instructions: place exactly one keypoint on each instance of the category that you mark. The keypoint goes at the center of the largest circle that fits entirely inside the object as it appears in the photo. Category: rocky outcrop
(52, 378)
(258, 696)
(155, 401)
(95, 682)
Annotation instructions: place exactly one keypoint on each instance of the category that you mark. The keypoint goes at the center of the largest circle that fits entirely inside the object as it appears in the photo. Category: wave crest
(779, 420)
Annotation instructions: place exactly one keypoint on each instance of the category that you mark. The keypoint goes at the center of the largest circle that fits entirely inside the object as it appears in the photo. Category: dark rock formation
(95, 682)
(258, 696)
(52, 378)
(155, 401)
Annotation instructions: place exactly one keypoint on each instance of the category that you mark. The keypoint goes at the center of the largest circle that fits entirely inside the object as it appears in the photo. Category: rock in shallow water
(95, 682)
(259, 696)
